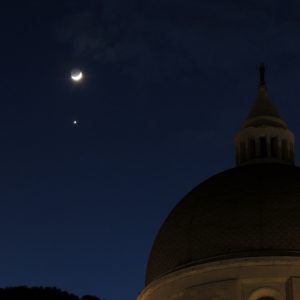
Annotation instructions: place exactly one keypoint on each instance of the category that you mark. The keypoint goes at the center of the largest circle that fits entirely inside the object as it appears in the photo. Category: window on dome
(291, 157)
(251, 148)
(243, 151)
(274, 146)
(265, 293)
(284, 149)
(263, 146)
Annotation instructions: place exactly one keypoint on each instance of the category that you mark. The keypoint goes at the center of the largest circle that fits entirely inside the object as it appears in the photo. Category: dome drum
(267, 144)
(236, 279)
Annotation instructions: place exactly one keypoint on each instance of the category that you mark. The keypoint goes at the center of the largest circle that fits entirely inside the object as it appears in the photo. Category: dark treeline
(39, 293)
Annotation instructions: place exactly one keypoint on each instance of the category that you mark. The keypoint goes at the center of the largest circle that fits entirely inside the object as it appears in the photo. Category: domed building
(236, 236)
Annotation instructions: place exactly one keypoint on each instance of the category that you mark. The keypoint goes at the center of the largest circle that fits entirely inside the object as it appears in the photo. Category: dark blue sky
(167, 85)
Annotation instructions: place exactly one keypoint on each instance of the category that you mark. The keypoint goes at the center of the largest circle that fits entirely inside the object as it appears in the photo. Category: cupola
(264, 137)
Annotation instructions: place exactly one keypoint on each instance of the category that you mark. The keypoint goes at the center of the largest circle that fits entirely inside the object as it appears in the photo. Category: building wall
(275, 278)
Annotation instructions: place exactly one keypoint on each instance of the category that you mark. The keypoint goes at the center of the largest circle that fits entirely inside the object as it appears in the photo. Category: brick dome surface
(246, 211)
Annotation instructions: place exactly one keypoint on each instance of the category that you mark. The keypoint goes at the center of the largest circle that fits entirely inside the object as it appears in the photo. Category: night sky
(167, 85)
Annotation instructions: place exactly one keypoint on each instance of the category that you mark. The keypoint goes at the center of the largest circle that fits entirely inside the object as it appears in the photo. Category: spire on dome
(264, 136)
(263, 106)
(262, 68)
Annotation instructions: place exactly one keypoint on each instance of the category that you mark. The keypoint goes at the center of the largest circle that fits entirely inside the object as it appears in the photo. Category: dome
(253, 210)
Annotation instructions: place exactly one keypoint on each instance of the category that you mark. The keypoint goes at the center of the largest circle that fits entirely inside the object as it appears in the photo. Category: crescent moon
(77, 77)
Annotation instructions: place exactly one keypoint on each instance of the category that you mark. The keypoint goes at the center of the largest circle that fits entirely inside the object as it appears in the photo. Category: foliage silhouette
(39, 293)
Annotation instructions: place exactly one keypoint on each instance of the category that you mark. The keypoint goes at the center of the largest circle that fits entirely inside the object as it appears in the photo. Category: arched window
(265, 293)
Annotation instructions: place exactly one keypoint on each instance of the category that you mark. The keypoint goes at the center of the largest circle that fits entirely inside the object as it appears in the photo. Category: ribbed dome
(246, 211)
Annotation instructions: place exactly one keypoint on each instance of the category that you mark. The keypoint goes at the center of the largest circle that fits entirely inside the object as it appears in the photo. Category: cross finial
(262, 69)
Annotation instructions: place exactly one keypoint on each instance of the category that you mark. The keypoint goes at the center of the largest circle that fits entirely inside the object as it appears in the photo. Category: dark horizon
(37, 293)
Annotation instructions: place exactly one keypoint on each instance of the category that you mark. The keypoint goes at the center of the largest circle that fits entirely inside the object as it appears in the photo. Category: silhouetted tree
(39, 293)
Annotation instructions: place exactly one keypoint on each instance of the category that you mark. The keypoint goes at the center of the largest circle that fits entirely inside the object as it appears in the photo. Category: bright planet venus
(76, 75)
